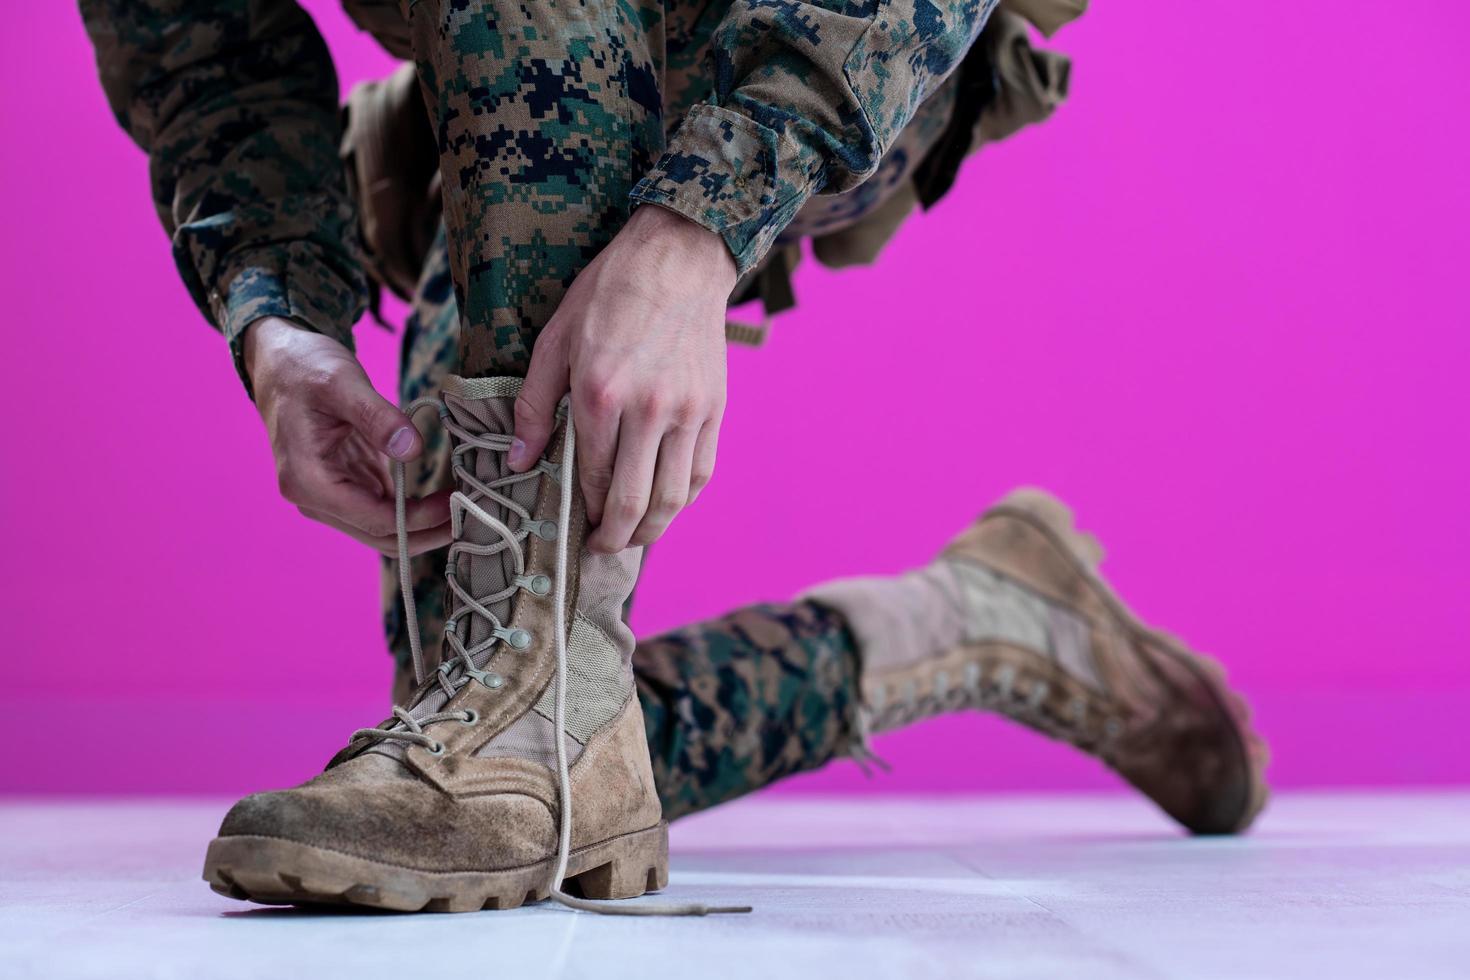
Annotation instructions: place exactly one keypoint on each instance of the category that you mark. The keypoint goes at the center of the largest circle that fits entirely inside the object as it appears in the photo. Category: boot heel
(635, 864)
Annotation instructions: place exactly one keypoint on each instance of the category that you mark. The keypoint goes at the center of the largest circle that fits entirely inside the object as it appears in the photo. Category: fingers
(330, 431)
(631, 485)
(535, 410)
(419, 541)
(427, 513)
(598, 413)
(426, 519)
(345, 501)
(703, 464)
(372, 471)
(643, 465)
(361, 505)
(351, 397)
(670, 491)
(370, 517)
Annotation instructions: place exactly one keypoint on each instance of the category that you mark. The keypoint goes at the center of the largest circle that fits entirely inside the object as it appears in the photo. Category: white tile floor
(1331, 886)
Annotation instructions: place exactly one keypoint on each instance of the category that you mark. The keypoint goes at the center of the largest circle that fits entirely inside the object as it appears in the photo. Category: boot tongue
(481, 407)
(484, 575)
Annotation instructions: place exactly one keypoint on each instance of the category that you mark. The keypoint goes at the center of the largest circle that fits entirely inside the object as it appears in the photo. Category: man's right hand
(333, 435)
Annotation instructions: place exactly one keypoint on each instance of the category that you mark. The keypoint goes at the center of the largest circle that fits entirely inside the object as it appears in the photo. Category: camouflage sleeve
(807, 98)
(235, 102)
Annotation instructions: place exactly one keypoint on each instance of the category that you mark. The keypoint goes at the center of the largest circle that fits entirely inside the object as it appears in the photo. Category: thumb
(535, 412)
(354, 399)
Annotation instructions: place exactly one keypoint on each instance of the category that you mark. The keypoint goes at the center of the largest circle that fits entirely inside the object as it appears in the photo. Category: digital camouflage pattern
(552, 121)
(729, 705)
(429, 354)
(803, 98)
(739, 702)
(235, 102)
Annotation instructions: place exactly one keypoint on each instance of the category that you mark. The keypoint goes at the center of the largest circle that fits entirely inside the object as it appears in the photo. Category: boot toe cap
(409, 825)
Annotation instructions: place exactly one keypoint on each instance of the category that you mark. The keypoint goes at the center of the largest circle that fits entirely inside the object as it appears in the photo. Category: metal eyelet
(972, 675)
(538, 585)
(470, 716)
(436, 749)
(487, 677)
(518, 639)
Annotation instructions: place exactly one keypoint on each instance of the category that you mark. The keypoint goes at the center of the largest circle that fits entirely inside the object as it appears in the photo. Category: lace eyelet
(492, 681)
(470, 716)
(436, 749)
(518, 639)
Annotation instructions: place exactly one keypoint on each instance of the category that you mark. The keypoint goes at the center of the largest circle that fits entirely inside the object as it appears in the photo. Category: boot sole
(1055, 519)
(276, 871)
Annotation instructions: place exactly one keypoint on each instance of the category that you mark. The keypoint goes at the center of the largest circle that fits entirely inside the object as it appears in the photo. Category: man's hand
(639, 339)
(331, 433)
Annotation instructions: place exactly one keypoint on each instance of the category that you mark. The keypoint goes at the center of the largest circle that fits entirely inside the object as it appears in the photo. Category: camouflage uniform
(765, 121)
(729, 705)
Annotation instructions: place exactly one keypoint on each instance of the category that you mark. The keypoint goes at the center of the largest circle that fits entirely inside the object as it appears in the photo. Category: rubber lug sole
(275, 871)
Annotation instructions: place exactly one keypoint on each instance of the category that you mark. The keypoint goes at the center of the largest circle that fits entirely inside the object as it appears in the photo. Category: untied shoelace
(462, 506)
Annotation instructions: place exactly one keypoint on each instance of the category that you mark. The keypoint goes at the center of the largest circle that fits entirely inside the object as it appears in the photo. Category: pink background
(1218, 303)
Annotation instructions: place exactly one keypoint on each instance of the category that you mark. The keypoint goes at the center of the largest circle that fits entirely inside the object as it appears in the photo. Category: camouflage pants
(730, 705)
(537, 163)
(547, 115)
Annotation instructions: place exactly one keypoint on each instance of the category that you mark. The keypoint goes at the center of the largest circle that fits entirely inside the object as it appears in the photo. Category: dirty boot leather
(1013, 617)
(455, 802)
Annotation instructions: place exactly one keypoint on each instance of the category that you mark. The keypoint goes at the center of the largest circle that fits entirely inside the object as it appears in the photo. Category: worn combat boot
(1013, 617)
(458, 801)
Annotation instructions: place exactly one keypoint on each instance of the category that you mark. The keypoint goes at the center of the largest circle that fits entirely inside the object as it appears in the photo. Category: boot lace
(456, 672)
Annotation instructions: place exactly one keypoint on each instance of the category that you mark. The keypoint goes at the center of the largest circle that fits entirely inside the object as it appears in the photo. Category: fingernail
(517, 453)
(401, 443)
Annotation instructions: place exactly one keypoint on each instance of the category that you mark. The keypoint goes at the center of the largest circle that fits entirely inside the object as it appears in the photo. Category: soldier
(570, 194)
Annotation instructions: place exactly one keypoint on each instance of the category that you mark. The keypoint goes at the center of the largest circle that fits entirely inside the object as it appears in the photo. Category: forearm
(235, 102)
(808, 97)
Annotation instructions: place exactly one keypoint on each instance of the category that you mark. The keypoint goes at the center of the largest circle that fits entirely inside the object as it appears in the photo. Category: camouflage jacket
(236, 103)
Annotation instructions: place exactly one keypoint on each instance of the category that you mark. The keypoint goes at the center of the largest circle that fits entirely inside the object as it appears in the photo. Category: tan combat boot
(1013, 617)
(456, 802)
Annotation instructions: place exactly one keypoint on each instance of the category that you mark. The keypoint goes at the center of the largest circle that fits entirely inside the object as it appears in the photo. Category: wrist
(684, 243)
(256, 340)
(263, 338)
